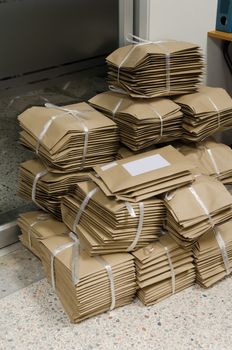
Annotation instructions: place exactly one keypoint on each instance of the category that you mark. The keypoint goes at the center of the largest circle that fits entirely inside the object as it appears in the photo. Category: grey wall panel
(39, 34)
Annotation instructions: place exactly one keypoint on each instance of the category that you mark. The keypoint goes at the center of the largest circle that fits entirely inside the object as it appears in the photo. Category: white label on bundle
(144, 165)
(108, 166)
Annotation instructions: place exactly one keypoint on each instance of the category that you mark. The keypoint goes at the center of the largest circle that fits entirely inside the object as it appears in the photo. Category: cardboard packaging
(141, 123)
(105, 225)
(144, 175)
(100, 283)
(211, 158)
(69, 138)
(205, 112)
(156, 69)
(44, 188)
(36, 226)
(213, 255)
(193, 210)
(163, 268)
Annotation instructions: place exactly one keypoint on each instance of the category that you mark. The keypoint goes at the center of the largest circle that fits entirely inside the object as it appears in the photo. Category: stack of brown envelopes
(211, 158)
(69, 138)
(194, 210)
(46, 188)
(141, 122)
(144, 175)
(213, 255)
(87, 286)
(156, 69)
(105, 225)
(36, 226)
(205, 112)
(163, 268)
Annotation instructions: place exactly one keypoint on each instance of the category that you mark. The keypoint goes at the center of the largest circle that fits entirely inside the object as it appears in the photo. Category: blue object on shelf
(224, 16)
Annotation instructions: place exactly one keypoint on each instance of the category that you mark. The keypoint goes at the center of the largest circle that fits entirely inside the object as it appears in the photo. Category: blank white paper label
(142, 166)
(108, 166)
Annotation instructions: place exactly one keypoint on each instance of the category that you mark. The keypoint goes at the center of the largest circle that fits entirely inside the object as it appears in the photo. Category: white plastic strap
(111, 279)
(39, 218)
(161, 123)
(171, 269)
(139, 228)
(33, 192)
(213, 160)
(75, 258)
(130, 209)
(215, 107)
(222, 246)
(82, 207)
(202, 204)
(117, 89)
(55, 252)
(117, 107)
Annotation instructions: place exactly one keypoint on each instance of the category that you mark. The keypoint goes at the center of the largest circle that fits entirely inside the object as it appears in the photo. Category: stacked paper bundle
(105, 225)
(141, 122)
(211, 158)
(163, 268)
(144, 175)
(194, 210)
(36, 226)
(69, 138)
(156, 69)
(213, 255)
(205, 112)
(87, 286)
(45, 188)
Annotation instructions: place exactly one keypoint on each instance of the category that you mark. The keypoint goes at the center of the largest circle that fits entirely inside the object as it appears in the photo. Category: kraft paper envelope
(208, 255)
(92, 294)
(156, 69)
(144, 175)
(69, 138)
(141, 122)
(49, 188)
(109, 226)
(205, 112)
(162, 269)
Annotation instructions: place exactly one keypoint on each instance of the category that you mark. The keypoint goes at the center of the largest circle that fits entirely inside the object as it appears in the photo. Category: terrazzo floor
(31, 316)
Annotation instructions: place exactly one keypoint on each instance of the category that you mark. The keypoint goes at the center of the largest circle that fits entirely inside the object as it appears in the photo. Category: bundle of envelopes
(211, 158)
(46, 188)
(69, 138)
(141, 122)
(109, 226)
(144, 175)
(205, 112)
(156, 69)
(36, 226)
(194, 210)
(99, 283)
(163, 268)
(213, 255)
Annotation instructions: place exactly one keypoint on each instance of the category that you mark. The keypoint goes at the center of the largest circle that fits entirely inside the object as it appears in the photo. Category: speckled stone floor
(31, 316)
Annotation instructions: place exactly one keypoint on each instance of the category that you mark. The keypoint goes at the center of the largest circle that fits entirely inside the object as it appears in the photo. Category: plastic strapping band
(139, 228)
(161, 123)
(75, 258)
(111, 279)
(33, 192)
(117, 107)
(82, 207)
(222, 246)
(201, 203)
(55, 252)
(172, 270)
(215, 107)
(213, 160)
(130, 209)
(39, 218)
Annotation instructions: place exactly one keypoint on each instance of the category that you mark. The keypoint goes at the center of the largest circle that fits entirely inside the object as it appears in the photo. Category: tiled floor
(31, 316)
